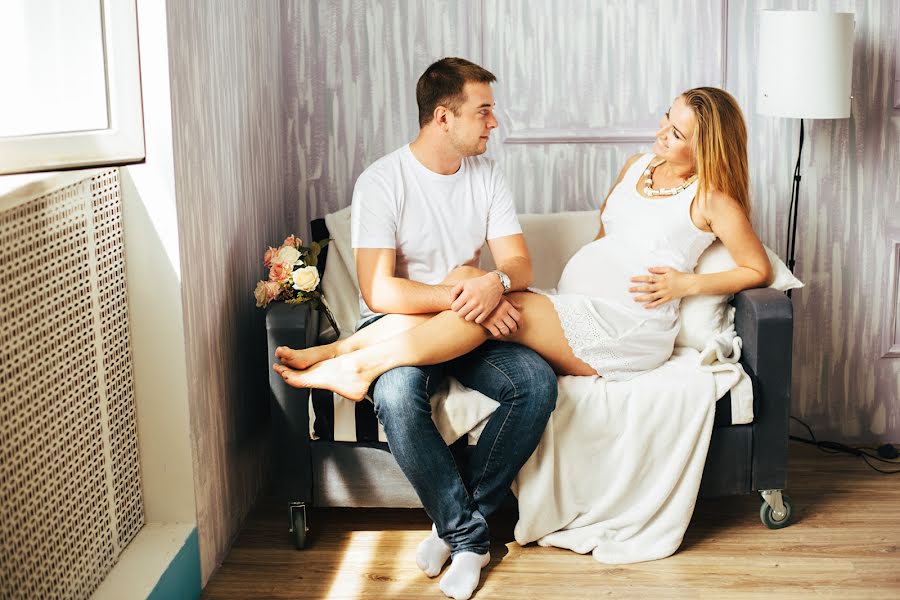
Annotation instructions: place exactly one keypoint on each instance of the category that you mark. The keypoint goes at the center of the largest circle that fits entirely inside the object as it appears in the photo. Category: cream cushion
(703, 317)
(552, 240)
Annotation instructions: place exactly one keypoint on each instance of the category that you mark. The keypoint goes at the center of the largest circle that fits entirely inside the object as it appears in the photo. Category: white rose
(306, 279)
(287, 255)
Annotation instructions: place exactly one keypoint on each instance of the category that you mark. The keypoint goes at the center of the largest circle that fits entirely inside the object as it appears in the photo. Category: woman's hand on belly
(663, 285)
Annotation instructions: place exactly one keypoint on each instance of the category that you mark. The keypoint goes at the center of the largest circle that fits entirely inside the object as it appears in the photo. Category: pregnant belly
(603, 269)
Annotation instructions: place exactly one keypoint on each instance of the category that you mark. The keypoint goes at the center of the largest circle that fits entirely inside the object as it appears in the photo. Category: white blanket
(618, 469)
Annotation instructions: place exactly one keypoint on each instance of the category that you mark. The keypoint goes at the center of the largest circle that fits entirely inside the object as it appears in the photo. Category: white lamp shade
(805, 62)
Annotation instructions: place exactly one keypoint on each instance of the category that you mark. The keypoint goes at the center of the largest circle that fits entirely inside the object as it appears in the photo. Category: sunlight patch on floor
(356, 558)
(367, 559)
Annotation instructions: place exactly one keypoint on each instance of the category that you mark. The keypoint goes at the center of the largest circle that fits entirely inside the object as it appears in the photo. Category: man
(418, 213)
(420, 216)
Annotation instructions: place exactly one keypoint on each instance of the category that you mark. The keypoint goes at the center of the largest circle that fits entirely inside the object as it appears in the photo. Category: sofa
(742, 458)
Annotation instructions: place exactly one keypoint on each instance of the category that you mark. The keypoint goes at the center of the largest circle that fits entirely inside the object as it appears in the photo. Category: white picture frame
(891, 329)
(897, 72)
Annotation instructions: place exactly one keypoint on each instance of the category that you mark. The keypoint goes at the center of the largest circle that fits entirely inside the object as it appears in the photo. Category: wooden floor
(844, 543)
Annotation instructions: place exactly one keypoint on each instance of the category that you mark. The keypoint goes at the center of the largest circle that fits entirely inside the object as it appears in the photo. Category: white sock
(432, 553)
(463, 575)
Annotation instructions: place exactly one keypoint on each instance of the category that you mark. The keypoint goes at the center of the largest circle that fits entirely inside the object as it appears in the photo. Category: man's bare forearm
(518, 268)
(396, 295)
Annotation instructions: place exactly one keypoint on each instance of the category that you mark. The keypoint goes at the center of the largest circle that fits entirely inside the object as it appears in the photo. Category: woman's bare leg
(383, 329)
(440, 339)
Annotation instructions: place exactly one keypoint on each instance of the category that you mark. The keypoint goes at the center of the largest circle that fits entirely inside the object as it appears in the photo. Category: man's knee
(399, 390)
(534, 378)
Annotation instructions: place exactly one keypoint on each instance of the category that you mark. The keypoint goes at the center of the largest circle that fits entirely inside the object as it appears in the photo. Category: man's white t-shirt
(434, 222)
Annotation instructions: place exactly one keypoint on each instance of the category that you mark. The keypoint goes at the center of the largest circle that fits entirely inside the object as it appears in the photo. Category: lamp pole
(794, 209)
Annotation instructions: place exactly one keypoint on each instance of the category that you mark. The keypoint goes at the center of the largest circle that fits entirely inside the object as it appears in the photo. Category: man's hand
(504, 320)
(476, 298)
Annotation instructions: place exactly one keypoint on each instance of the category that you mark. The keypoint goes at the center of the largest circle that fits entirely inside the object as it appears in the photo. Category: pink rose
(280, 272)
(270, 254)
(272, 290)
(292, 240)
(266, 292)
(261, 295)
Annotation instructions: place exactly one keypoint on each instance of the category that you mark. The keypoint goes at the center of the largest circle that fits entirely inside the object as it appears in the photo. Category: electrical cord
(885, 453)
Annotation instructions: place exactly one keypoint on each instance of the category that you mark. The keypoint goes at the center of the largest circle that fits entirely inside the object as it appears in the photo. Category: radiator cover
(70, 487)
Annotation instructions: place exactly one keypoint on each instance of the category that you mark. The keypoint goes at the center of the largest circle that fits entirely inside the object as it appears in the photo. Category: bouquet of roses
(293, 276)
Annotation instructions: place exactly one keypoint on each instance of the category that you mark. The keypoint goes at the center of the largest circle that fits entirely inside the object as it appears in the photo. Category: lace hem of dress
(589, 341)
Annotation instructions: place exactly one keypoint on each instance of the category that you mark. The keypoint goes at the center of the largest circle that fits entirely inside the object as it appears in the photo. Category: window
(70, 77)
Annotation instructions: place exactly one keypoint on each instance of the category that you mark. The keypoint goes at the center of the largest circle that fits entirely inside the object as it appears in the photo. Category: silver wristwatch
(504, 280)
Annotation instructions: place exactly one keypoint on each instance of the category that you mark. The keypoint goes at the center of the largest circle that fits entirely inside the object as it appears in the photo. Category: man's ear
(441, 115)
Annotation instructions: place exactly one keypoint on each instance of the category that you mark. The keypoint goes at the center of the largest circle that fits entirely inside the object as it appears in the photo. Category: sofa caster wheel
(776, 510)
(298, 524)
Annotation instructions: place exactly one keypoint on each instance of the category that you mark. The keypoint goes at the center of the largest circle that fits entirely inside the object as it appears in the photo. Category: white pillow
(339, 283)
(702, 317)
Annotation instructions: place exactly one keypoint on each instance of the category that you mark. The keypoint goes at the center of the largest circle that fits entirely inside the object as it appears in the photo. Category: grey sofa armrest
(294, 326)
(764, 320)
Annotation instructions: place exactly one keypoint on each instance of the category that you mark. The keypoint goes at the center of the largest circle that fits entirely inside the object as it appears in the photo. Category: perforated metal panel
(70, 493)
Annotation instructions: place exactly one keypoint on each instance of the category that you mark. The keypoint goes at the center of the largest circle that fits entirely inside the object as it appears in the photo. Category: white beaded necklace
(648, 184)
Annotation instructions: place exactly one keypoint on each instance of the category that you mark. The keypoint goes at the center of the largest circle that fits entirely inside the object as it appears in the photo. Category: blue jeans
(459, 501)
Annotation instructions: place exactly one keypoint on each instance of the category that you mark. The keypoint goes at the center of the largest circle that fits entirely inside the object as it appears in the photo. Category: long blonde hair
(719, 144)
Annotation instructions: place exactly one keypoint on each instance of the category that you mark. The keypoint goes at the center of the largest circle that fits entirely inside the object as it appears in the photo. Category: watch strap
(504, 280)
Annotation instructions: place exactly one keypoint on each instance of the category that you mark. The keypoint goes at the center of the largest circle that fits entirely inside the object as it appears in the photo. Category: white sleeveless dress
(603, 324)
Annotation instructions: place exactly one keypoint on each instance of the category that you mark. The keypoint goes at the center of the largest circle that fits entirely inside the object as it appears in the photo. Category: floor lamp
(804, 69)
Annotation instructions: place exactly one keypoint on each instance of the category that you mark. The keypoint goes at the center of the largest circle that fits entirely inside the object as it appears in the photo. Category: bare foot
(339, 375)
(307, 357)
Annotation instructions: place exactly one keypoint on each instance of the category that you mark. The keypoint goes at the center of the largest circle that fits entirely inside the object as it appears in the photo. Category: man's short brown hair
(442, 85)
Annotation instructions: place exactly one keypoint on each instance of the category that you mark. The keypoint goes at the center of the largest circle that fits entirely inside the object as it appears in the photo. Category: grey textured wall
(579, 89)
(228, 124)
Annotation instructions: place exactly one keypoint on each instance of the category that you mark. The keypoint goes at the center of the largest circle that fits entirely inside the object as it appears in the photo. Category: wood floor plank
(845, 544)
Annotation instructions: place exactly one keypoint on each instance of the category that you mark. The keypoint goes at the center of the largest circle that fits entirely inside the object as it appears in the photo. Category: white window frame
(122, 142)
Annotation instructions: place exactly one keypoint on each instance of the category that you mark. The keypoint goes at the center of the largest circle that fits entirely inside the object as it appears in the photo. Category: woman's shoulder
(630, 163)
(719, 197)
(638, 156)
(717, 201)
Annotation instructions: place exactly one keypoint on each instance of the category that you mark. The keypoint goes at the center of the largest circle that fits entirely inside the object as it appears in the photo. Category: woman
(615, 309)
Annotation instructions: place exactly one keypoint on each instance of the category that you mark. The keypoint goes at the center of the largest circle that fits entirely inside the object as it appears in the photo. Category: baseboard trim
(182, 578)
(161, 562)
